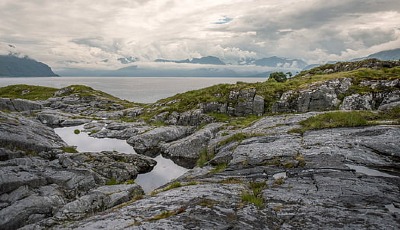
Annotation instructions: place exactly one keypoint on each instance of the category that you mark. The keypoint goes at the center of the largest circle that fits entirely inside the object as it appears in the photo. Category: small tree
(278, 76)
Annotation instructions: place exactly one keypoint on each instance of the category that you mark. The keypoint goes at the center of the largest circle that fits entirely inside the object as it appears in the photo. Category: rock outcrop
(334, 178)
(70, 187)
(18, 105)
(186, 151)
(380, 94)
(149, 143)
(240, 103)
(24, 135)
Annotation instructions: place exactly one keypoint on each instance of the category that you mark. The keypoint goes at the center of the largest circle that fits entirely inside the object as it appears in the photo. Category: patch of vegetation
(167, 214)
(334, 120)
(77, 131)
(278, 76)
(174, 185)
(238, 137)
(28, 92)
(112, 181)
(254, 195)
(207, 203)
(219, 168)
(279, 181)
(69, 149)
(204, 157)
(231, 180)
(129, 182)
(347, 119)
(87, 92)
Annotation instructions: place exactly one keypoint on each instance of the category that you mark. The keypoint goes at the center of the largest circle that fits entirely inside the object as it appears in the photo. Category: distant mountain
(386, 55)
(13, 66)
(280, 62)
(308, 67)
(210, 60)
(127, 60)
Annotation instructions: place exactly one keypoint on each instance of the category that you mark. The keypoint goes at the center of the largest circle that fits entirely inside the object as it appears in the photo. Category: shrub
(77, 131)
(278, 76)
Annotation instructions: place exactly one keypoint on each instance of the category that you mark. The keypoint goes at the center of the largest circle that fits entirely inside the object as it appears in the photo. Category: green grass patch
(219, 168)
(347, 119)
(238, 137)
(69, 149)
(335, 120)
(112, 181)
(28, 92)
(204, 157)
(248, 197)
(254, 194)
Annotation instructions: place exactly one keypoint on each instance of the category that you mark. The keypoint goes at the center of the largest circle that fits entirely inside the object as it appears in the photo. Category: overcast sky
(84, 33)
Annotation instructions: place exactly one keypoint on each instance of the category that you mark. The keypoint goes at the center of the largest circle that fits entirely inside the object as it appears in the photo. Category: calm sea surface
(136, 89)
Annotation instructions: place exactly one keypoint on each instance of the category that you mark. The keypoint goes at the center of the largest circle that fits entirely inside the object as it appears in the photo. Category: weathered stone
(19, 105)
(186, 151)
(317, 97)
(17, 132)
(357, 102)
(98, 199)
(58, 119)
(149, 143)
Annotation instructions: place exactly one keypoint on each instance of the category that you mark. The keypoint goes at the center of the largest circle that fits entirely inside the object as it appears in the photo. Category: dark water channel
(163, 172)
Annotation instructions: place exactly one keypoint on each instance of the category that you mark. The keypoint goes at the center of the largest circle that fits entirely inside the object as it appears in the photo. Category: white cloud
(84, 33)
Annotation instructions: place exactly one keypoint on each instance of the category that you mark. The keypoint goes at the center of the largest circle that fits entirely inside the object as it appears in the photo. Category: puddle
(368, 171)
(162, 173)
(279, 175)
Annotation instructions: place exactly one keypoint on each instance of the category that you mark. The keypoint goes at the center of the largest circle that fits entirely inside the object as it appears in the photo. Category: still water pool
(163, 172)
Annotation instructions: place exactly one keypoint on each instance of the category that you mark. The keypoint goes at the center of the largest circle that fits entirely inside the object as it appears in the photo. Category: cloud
(83, 33)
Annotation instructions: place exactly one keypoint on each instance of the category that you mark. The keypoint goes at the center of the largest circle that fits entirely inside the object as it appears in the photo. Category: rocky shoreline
(261, 174)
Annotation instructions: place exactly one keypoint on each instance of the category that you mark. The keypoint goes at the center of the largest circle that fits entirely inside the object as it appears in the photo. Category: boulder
(149, 143)
(19, 105)
(21, 133)
(98, 199)
(59, 119)
(357, 102)
(186, 151)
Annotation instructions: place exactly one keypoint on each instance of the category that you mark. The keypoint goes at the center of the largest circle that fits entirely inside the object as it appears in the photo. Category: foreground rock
(20, 136)
(33, 189)
(41, 183)
(334, 178)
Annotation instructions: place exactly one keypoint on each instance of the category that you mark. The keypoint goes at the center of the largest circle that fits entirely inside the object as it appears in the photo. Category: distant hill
(386, 55)
(210, 60)
(280, 62)
(12, 66)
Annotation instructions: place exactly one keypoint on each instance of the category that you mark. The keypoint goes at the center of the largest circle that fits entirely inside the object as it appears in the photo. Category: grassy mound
(28, 92)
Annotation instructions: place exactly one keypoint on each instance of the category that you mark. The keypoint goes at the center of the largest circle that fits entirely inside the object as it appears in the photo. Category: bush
(77, 131)
(278, 76)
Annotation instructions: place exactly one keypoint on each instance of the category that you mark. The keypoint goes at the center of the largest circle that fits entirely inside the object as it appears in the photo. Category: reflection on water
(85, 143)
(163, 172)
